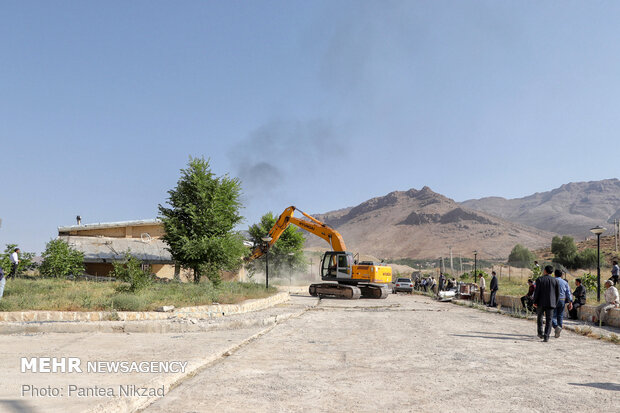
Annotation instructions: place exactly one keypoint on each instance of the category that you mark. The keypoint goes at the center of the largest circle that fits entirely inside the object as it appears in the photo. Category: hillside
(424, 224)
(571, 209)
(608, 249)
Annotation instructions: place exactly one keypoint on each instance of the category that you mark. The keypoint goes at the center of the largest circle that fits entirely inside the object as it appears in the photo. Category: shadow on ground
(602, 386)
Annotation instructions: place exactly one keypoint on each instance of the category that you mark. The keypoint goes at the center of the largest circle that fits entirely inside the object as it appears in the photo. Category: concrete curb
(569, 325)
(585, 313)
(205, 311)
(134, 404)
(152, 326)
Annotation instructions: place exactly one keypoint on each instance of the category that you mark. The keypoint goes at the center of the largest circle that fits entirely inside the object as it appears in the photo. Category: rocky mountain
(424, 224)
(571, 209)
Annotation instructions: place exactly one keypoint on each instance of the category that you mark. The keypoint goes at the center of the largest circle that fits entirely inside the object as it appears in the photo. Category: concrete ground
(197, 342)
(405, 353)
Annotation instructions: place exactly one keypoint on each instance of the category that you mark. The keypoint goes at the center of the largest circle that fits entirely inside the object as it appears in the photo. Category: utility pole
(451, 265)
(461, 261)
(616, 222)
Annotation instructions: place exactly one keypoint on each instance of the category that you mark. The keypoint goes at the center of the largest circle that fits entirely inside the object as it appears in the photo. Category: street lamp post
(475, 265)
(266, 241)
(598, 230)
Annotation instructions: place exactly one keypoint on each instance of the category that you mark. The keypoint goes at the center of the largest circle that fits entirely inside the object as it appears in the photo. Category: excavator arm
(312, 225)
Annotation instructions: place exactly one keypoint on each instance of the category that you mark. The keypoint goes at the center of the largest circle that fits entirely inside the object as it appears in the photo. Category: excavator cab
(336, 266)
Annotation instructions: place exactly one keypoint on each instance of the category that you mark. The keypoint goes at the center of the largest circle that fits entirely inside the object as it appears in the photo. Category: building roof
(100, 225)
(108, 249)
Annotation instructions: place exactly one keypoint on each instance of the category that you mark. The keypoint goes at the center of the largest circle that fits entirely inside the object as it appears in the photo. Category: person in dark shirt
(527, 301)
(579, 299)
(546, 296)
(615, 272)
(494, 288)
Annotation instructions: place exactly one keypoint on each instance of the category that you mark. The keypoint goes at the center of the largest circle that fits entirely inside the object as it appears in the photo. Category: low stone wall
(585, 313)
(205, 311)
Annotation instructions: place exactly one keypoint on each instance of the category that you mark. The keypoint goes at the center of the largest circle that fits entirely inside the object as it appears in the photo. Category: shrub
(60, 260)
(131, 271)
(588, 280)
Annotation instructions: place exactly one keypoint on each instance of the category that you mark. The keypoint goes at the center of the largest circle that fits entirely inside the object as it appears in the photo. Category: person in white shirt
(14, 263)
(482, 284)
(612, 300)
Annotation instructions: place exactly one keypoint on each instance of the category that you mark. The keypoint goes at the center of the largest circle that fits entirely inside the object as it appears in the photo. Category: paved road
(406, 353)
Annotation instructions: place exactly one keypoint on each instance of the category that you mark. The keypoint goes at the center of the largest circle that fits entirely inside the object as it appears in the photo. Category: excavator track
(374, 291)
(349, 292)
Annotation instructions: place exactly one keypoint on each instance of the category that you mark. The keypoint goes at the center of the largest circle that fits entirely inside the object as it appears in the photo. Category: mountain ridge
(425, 224)
(570, 209)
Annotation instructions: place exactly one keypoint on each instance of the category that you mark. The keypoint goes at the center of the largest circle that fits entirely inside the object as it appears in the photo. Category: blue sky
(318, 104)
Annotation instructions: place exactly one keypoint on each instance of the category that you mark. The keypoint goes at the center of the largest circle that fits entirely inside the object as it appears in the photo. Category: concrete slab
(101, 392)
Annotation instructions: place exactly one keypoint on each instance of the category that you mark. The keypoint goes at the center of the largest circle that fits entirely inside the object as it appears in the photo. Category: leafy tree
(203, 211)
(585, 259)
(520, 257)
(60, 260)
(564, 250)
(286, 254)
(130, 270)
(26, 260)
(536, 272)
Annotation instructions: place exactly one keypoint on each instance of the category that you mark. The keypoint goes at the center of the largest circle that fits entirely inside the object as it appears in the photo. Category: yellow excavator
(345, 278)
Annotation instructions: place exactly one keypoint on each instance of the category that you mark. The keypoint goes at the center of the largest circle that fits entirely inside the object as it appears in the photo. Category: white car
(403, 284)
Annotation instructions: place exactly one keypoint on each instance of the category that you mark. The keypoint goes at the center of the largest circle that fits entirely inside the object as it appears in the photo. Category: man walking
(482, 284)
(14, 263)
(615, 272)
(612, 300)
(579, 299)
(494, 288)
(565, 297)
(545, 299)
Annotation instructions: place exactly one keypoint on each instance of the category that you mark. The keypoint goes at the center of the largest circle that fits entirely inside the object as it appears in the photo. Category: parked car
(403, 284)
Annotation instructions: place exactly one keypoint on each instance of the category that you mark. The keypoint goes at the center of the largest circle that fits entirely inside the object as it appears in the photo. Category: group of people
(14, 257)
(482, 285)
(550, 295)
(429, 284)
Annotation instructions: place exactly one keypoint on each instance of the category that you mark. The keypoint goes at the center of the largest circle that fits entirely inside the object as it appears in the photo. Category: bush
(588, 280)
(60, 260)
(131, 271)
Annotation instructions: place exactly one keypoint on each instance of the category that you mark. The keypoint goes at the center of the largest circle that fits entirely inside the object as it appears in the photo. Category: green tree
(286, 254)
(585, 259)
(564, 250)
(60, 260)
(520, 257)
(199, 223)
(26, 260)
